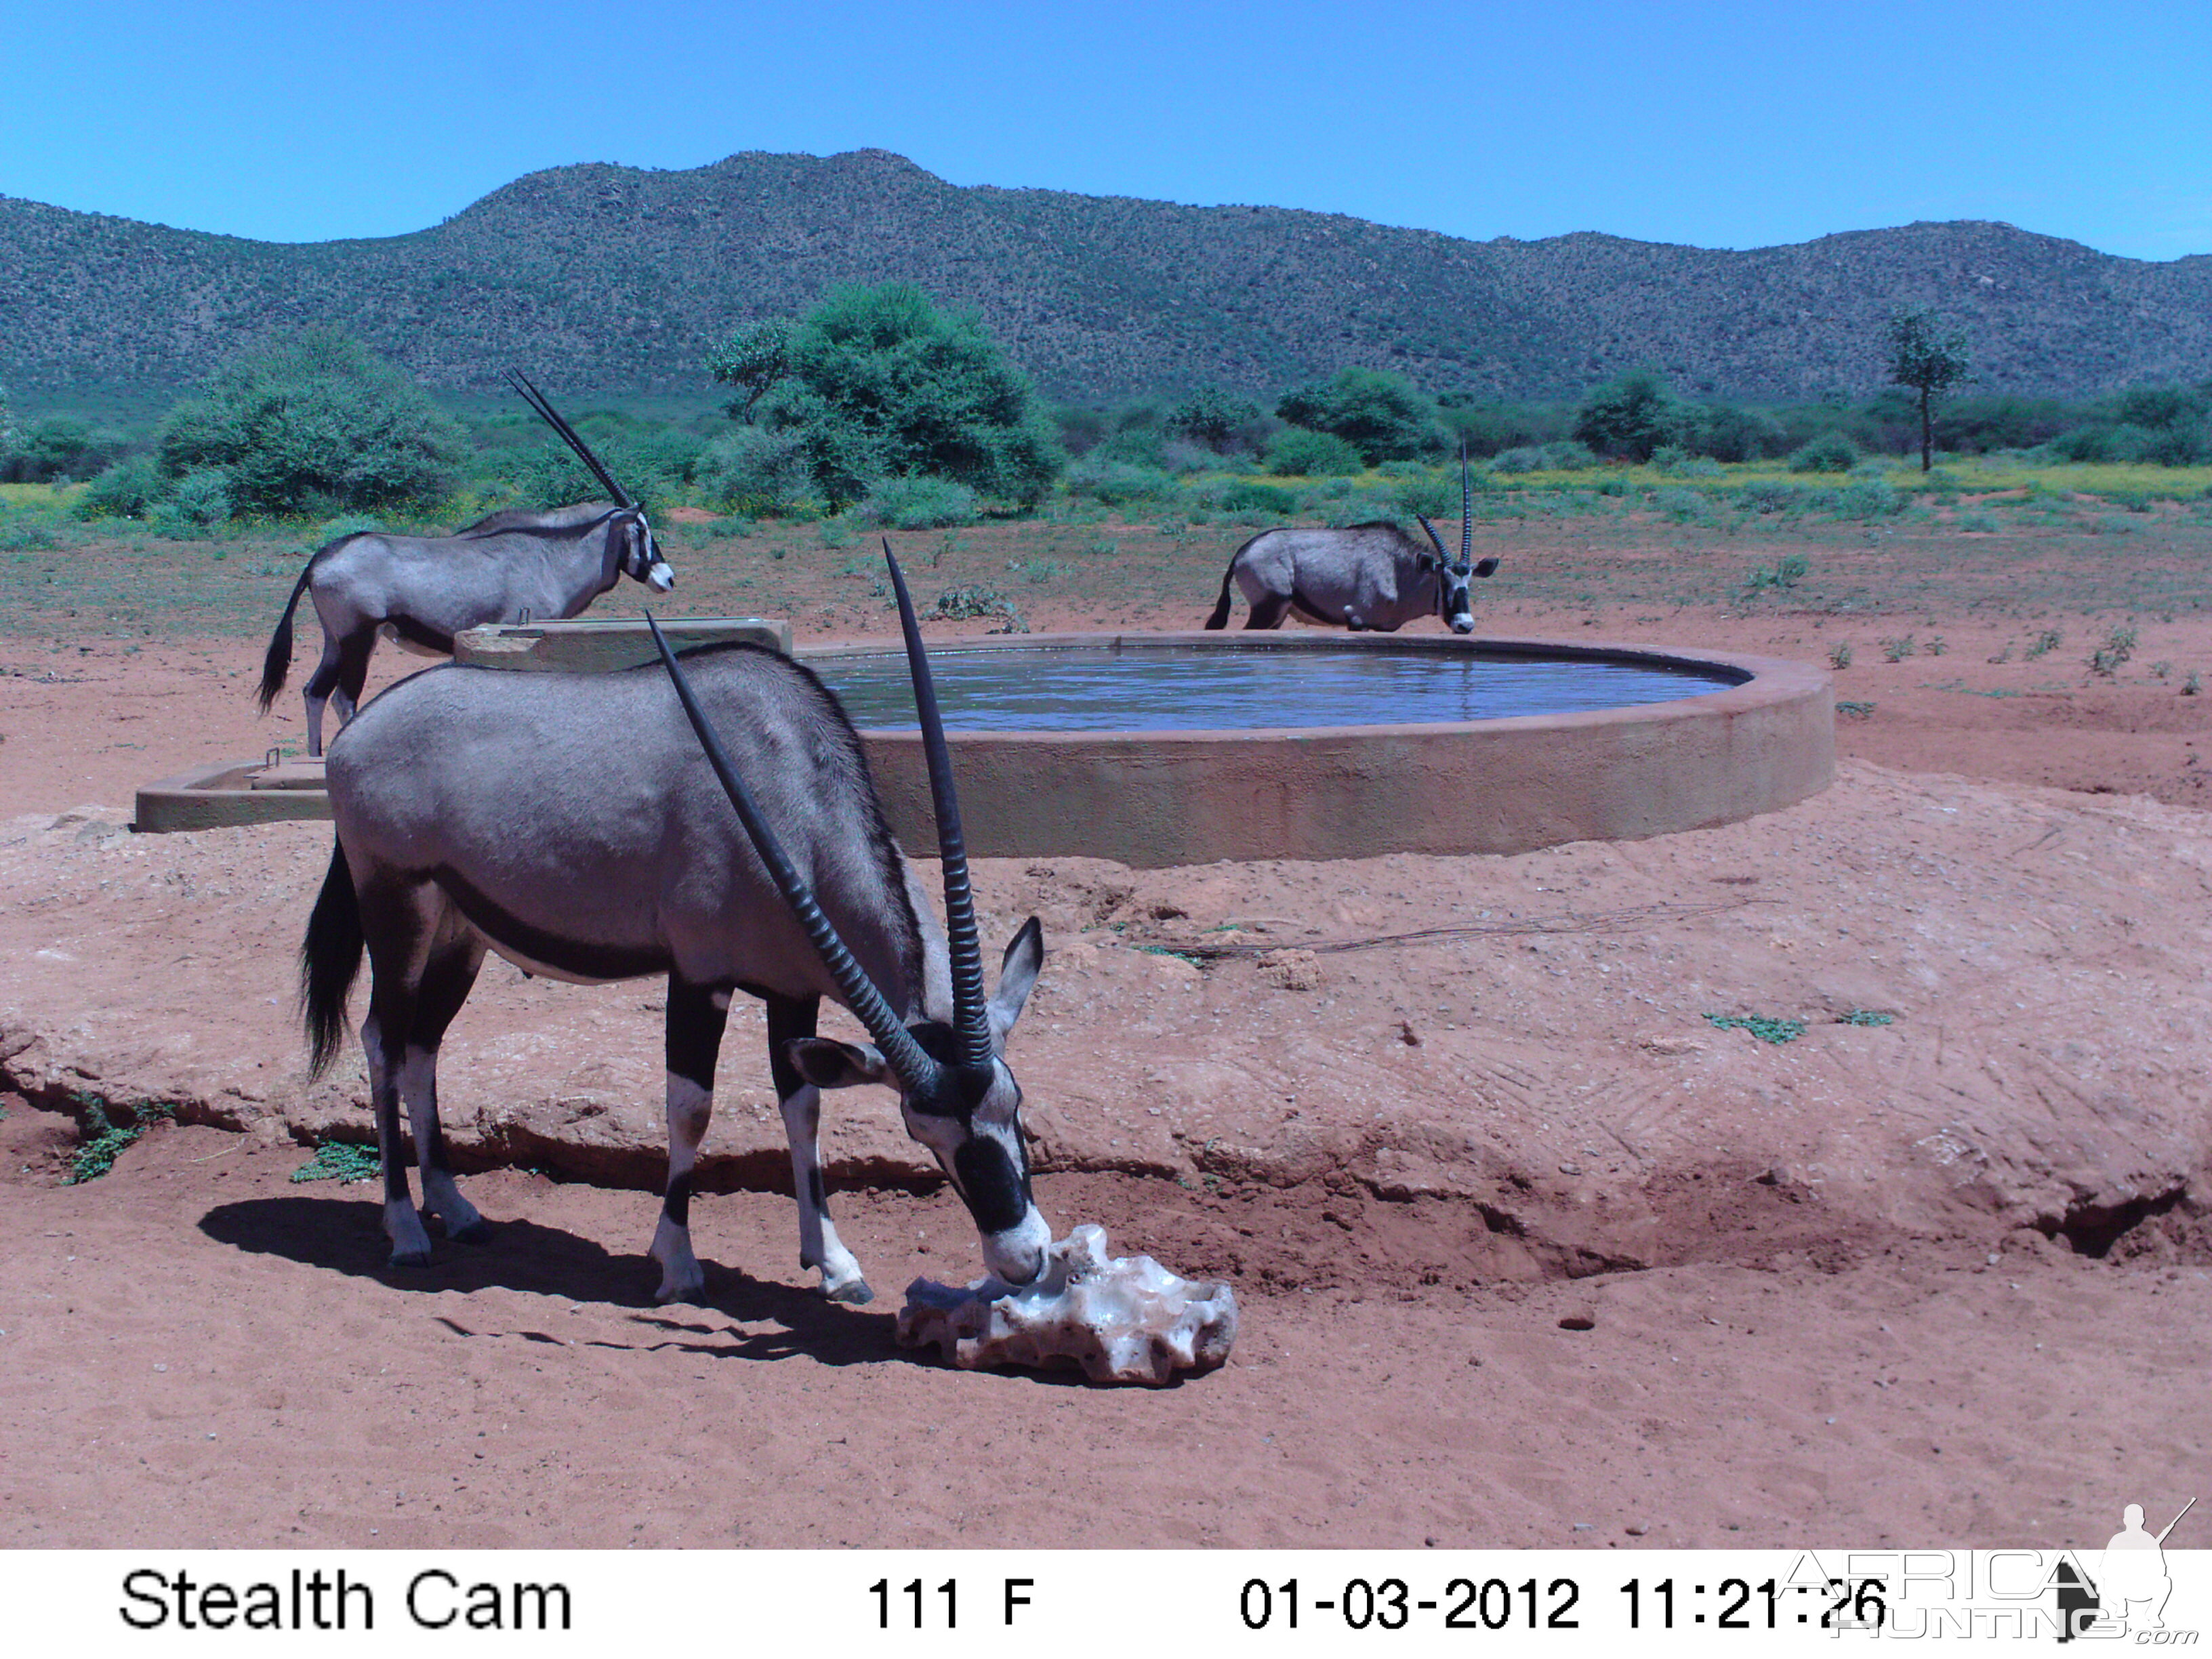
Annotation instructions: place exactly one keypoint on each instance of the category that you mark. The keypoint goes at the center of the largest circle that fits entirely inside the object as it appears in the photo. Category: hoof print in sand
(1123, 1319)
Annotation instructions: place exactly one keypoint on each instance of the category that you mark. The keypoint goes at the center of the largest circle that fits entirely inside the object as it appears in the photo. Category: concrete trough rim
(1155, 797)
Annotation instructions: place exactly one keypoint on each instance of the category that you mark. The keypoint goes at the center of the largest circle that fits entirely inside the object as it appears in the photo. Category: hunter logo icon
(2131, 1585)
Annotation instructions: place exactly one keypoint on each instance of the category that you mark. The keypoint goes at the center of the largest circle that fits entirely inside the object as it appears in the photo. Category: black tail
(278, 662)
(330, 959)
(1220, 617)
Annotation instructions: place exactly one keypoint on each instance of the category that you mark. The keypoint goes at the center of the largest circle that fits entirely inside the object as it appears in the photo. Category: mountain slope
(617, 278)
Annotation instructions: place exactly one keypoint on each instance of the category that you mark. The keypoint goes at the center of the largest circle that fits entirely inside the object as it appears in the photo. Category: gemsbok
(1369, 576)
(574, 825)
(423, 590)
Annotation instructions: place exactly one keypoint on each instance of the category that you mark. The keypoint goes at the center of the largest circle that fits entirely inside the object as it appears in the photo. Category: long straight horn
(971, 1018)
(1465, 512)
(531, 395)
(899, 1049)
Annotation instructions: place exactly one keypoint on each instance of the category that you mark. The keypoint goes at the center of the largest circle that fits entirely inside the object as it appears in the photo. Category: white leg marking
(818, 1244)
(689, 1110)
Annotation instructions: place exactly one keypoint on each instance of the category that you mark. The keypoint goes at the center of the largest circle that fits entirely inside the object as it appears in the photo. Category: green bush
(58, 450)
(1832, 453)
(1214, 417)
(1488, 428)
(1248, 497)
(21, 533)
(1430, 494)
(1977, 426)
(882, 383)
(2183, 444)
(127, 490)
(1682, 506)
(657, 465)
(1566, 455)
(1869, 498)
(1384, 416)
(756, 472)
(1771, 496)
(316, 423)
(919, 503)
(1632, 415)
(1727, 432)
(1135, 442)
(1296, 453)
(1366, 507)
(1118, 483)
(2159, 407)
(196, 501)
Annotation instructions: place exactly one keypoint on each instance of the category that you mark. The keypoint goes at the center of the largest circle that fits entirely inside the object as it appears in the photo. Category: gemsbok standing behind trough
(423, 590)
(573, 823)
(1370, 576)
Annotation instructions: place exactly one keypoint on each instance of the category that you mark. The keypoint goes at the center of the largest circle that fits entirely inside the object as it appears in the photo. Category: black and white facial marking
(970, 1124)
(1455, 604)
(968, 1118)
(641, 557)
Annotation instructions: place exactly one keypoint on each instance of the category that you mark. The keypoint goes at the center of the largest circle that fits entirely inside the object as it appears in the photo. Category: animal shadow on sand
(346, 1235)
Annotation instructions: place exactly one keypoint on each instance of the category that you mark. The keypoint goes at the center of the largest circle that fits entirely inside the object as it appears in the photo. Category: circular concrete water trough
(1724, 737)
(1168, 772)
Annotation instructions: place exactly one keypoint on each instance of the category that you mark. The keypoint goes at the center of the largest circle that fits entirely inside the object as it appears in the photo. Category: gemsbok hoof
(477, 1232)
(411, 1258)
(853, 1294)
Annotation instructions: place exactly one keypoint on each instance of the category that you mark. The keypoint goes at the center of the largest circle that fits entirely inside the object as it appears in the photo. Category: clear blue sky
(1723, 125)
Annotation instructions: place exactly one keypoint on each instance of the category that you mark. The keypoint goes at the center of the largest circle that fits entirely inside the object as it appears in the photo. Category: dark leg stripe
(677, 1201)
(695, 1032)
(788, 1020)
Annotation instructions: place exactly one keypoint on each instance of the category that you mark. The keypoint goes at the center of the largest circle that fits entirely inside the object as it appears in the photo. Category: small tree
(752, 360)
(1385, 417)
(1631, 415)
(1923, 355)
(881, 384)
(1212, 417)
(316, 423)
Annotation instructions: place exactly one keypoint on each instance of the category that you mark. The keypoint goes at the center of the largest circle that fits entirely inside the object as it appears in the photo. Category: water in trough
(1168, 688)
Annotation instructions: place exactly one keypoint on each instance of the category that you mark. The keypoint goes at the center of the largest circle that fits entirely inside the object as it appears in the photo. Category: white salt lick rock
(1122, 1318)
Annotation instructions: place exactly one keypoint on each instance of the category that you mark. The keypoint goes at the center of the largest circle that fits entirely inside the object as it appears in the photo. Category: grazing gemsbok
(422, 590)
(572, 823)
(1372, 575)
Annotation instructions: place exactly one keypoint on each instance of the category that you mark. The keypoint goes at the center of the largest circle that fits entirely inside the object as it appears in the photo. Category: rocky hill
(616, 279)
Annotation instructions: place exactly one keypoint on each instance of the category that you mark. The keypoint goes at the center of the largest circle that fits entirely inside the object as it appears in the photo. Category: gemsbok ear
(828, 1063)
(1018, 977)
(1487, 568)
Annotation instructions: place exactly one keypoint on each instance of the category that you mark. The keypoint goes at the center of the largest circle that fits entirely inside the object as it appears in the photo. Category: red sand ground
(195, 1352)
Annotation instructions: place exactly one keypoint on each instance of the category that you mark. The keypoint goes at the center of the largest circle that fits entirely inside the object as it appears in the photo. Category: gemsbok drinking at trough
(572, 824)
(423, 590)
(1370, 576)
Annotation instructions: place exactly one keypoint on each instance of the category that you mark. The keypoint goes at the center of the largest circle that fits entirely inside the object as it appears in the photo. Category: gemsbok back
(715, 823)
(1369, 576)
(423, 590)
